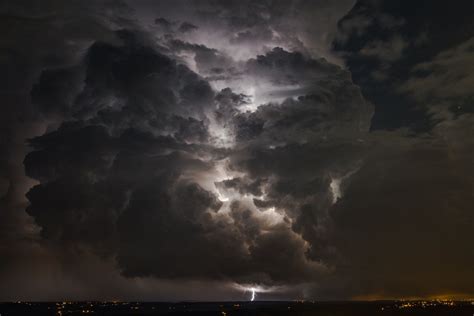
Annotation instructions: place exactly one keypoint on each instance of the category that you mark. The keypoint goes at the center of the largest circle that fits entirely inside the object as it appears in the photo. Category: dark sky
(196, 150)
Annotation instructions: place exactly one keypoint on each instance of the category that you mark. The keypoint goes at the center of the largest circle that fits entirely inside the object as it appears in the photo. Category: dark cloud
(163, 23)
(243, 185)
(229, 105)
(171, 27)
(206, 59)
(328, 96)
(388, 51)
(83, 155)
(127, 176)
(187, 27)
(243, 29)
(283, 67)
(383, 42)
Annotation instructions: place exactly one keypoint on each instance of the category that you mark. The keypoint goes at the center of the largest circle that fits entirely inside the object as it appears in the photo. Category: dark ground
(387, 308)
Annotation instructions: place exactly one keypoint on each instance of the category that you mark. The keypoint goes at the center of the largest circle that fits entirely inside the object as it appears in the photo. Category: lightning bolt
(253, 295)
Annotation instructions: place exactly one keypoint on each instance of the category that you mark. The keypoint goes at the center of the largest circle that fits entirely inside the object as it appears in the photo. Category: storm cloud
(134, 172)
(229, 145)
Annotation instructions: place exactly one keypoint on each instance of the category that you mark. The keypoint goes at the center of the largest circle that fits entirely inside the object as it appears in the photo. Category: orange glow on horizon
(437, 297)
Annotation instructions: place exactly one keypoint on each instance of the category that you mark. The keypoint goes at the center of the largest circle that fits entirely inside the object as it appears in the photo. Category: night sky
(202, 150)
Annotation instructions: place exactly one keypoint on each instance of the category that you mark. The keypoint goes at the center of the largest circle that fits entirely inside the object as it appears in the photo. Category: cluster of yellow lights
(424, 304)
